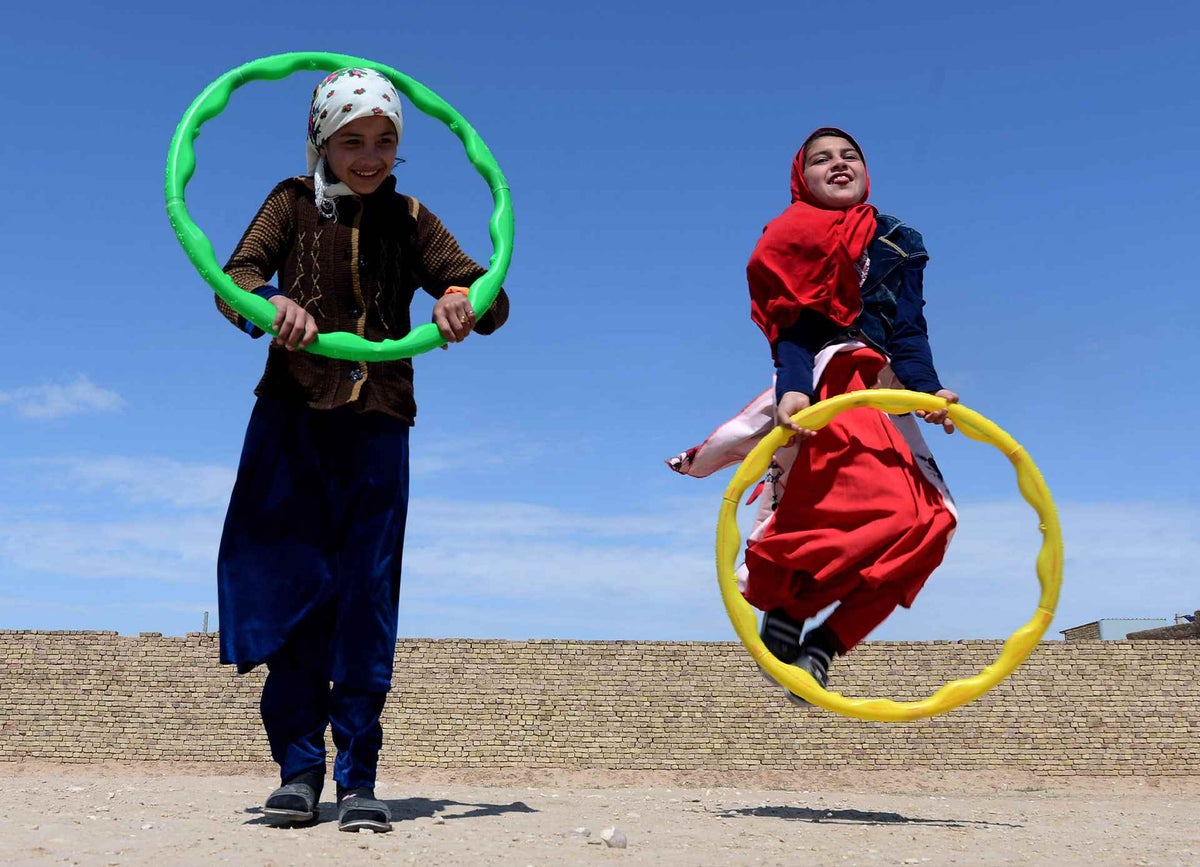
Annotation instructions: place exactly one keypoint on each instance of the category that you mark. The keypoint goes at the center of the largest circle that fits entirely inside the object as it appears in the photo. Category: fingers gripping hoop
(958, 692)
(181, 165)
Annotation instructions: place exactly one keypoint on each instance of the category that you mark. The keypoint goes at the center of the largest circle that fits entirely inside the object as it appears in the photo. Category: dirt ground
(100, 814)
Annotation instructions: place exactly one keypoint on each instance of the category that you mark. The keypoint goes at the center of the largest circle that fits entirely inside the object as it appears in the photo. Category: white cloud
(55, 401)
(153, 480)
(513, 569)
(171, 549)
(531, 520)
(1135, 559)
(87, 519)
(469, 453)
(123, 607)
(521, 570)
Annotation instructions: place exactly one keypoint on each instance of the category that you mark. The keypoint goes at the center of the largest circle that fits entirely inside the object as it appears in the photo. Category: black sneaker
(781, 634)
(816, 662)
(295, 802)
(358, 810)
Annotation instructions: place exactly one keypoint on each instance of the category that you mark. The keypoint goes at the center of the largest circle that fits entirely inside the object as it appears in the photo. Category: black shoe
(358, 810)
(295, 802)
(816, 662)
(781, 634)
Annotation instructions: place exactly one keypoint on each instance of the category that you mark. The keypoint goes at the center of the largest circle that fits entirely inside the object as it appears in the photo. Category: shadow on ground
(850, 817)
(411, 808)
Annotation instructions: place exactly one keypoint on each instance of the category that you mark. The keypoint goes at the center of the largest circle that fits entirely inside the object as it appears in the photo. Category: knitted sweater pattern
(357, 273)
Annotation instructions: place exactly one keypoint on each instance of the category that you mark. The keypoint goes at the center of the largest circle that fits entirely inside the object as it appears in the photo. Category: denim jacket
(891, 319)
(894, 248)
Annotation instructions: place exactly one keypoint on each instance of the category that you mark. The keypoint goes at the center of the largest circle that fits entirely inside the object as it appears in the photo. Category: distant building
(1113, 628)
(1186, 628)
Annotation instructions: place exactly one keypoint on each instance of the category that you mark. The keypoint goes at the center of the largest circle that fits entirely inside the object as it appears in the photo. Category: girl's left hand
(941, 416)
(454, 317)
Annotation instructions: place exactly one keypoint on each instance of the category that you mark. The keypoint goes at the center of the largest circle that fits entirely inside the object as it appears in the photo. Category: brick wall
(1117, 707)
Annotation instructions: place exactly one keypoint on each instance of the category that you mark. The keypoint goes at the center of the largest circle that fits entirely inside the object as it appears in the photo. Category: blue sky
(1044, 151)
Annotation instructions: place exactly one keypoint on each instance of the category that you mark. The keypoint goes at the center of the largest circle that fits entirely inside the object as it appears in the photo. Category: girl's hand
(791, 403)
(454, 317)
(941, 416)
(293, 326)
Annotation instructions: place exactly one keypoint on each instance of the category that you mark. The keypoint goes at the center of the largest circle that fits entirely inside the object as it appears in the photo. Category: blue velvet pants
(298, 701)
(308, 577)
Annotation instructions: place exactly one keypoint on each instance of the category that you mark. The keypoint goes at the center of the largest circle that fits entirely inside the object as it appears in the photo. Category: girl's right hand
(791, 403)
(294, 327)
(941, 416)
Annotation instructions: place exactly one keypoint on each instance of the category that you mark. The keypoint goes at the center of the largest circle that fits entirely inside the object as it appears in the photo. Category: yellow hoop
(957, 692)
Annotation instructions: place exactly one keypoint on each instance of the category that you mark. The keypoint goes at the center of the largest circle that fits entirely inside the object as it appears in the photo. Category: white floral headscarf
(345, 96)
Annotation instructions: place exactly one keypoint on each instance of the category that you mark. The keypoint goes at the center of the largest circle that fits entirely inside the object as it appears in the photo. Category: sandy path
(174, 814)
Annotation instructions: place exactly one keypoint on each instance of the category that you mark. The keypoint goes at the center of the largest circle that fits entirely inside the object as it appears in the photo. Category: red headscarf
(807, 255)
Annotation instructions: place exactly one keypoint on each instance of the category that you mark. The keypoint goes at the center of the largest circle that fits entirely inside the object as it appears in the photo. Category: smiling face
(362, 153)
(834, 172)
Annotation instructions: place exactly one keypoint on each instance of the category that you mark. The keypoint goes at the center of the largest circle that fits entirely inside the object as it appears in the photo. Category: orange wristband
(456, 290)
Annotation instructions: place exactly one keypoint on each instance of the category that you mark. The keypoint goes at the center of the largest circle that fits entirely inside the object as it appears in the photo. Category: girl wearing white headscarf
(343, 97)
(309, 564)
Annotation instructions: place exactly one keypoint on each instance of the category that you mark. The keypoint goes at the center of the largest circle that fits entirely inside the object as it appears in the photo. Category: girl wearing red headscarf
(836, 288)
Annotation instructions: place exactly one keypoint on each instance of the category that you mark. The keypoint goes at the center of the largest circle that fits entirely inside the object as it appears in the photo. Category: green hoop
(181, 165)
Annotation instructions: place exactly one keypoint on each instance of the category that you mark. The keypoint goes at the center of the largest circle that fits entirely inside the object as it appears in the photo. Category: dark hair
(831, 131)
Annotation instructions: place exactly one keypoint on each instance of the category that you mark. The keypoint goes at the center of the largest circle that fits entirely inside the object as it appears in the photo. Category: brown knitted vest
(358, 274)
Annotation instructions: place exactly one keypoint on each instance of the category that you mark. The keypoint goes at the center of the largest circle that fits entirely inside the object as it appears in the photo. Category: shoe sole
(787, 693)
(365, 825)
(287, 817)
(796, 700)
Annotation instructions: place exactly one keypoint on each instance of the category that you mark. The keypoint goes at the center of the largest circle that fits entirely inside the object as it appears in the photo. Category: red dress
(859, 523)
